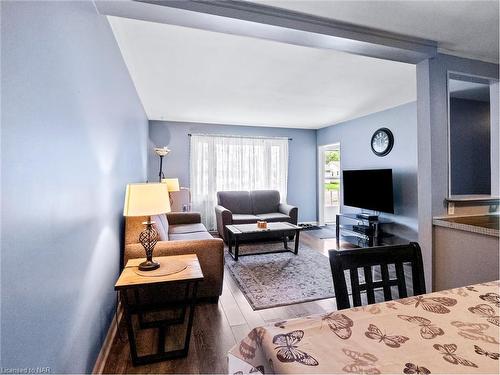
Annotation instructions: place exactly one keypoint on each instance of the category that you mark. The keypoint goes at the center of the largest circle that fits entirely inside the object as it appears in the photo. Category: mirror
(470, 142)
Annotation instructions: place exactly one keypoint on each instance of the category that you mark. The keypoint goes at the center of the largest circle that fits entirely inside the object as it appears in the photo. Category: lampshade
(172, 184)
(146, 200)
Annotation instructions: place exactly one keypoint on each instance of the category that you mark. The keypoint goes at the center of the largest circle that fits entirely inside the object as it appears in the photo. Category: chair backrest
(367, 259)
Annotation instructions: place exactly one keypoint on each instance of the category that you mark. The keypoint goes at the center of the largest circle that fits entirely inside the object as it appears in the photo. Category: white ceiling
(464, 28)
(184, 74)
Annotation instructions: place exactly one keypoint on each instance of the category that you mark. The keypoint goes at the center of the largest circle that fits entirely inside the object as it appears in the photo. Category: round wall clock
(382, 142)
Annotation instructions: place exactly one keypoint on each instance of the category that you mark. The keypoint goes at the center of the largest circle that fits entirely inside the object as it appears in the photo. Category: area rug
(279, 279)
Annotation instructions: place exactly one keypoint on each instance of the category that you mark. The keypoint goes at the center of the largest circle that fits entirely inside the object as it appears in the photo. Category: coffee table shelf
(240, 232)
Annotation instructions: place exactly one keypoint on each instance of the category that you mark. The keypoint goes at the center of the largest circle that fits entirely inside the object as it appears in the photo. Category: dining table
(446, 332)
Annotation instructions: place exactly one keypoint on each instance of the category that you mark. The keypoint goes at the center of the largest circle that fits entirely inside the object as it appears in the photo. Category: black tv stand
(369, 217)
(364, 231)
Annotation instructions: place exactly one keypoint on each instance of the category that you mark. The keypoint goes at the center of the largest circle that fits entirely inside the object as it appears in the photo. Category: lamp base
(149, 265)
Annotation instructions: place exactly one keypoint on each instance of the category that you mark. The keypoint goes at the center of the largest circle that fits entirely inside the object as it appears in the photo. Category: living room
(91, 89)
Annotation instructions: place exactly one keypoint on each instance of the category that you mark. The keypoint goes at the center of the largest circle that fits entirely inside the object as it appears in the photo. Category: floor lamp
(161, 152)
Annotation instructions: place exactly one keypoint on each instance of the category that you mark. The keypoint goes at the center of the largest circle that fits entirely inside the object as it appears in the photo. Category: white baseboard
(108, 342)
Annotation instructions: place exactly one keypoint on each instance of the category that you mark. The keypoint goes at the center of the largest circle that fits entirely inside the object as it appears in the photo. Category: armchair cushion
(186, 228)
(190, 236)
(175, 218)
(161, 226)
(244, 219)
(274, 216)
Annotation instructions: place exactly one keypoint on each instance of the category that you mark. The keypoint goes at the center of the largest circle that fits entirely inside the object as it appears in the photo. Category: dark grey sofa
(247, 207)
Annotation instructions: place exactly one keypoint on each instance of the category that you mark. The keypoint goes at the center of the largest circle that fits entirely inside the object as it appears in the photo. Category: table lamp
(147, 200)
(172, 185)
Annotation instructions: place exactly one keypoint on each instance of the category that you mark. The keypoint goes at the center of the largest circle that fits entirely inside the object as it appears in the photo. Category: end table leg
(130, 328)
(192, 306)
(297, 233)
(236, 248)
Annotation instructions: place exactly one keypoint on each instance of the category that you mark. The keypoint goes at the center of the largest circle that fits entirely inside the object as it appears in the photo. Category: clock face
(382, 142)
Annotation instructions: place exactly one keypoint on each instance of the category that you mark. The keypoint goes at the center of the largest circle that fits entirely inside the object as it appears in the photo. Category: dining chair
(369, 258)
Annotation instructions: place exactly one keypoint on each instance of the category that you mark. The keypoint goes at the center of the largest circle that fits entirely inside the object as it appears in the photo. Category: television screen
(370, 189)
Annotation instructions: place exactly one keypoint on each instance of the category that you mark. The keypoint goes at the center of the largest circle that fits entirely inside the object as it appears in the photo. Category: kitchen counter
(465, 250)
(488, 225)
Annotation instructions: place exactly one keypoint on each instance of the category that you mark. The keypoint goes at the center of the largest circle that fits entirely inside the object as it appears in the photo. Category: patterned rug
(280, 279)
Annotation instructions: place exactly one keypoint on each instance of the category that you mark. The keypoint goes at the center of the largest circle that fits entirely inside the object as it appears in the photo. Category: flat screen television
(369, 189)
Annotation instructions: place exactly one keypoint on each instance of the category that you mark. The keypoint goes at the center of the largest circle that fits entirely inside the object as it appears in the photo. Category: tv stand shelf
(365, 232)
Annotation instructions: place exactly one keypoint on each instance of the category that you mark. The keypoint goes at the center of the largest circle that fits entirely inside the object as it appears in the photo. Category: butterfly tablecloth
(452, 331)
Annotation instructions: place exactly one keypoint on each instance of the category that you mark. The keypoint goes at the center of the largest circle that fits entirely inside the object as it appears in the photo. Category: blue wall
(354, 137)
(301, 165)
(73, 134)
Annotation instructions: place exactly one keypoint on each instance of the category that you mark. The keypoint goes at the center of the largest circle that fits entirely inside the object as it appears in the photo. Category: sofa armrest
(175, 218)
(224, 217)
(289, 210)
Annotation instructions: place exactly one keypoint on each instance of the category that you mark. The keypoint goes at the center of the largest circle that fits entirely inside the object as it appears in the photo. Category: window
(234, 163)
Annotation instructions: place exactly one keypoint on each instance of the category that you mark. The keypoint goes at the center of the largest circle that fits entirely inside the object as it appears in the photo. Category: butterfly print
(258, 369)
(339, 324)
(364, 363)
(492, 298)
(410, 368)
(481, 351)
(280, 324)
(474, 331)
(432, 304)
(372, 309)
(250, 343)
(449, 355)
(391, 341)
(286, 345)
(391, 305)
(486, 311)
(427, 329)
(458, 291)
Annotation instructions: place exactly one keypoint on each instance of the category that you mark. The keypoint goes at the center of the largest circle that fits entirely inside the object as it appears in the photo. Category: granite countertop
(481, 224)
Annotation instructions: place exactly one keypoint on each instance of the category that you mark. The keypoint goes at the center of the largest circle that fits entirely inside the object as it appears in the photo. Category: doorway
(329, 183)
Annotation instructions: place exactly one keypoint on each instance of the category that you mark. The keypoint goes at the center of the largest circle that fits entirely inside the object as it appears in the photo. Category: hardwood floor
(216, 328)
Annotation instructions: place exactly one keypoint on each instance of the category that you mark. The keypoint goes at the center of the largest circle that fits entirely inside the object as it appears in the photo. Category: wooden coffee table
(241, 232)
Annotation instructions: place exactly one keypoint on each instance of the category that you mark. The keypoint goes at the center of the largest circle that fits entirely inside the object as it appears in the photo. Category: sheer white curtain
(234, 163)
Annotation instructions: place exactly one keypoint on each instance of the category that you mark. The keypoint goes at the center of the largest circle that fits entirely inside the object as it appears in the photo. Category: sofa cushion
(274, 216)
(186, 228)
(238, 202)
(161, 226)
(190, 236)
(244, 219)
(264, 201)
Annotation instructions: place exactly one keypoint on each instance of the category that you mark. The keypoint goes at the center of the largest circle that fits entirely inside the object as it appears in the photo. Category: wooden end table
(239, 232)
(130, 284)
